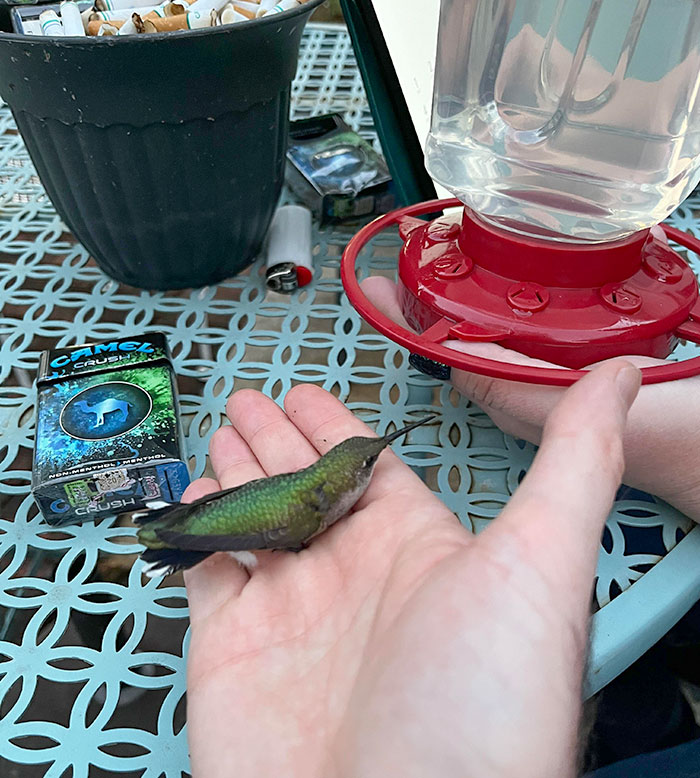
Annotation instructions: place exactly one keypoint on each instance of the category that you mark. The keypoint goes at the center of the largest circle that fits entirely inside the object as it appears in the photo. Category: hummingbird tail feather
(165, 561)
(153, 511)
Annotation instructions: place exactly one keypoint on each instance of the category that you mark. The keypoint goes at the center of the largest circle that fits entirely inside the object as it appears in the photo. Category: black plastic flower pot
(164, 154)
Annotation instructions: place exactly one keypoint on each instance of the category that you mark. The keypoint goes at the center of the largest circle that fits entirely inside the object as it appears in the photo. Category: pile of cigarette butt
(134, 17)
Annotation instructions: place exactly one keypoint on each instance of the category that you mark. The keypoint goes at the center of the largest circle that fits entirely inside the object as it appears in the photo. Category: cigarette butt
(196, 20)
(244, 11)
(189, 21)
(130, 26)
(264, 6)
(50, 23)
(229, 16)
(108, 28)
(155, 13)
(249, 10)
(112, 16)
(71, 19)
(176, 7)
(165, 24)
(121, 5)
(95, 26)
(282, 5)
(206, 5)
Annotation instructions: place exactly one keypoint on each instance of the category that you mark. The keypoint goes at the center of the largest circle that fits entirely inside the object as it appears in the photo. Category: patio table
(92, 670)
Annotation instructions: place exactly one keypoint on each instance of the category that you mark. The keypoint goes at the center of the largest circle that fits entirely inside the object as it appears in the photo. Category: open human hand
(662, 438)
(398, 643)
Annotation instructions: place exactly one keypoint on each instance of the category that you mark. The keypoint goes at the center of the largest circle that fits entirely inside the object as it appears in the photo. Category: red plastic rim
(489, 367)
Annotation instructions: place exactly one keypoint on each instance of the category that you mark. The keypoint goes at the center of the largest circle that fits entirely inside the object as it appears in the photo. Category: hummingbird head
(360, 454)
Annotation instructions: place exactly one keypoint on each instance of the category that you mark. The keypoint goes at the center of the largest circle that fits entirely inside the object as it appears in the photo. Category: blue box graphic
(108, 436)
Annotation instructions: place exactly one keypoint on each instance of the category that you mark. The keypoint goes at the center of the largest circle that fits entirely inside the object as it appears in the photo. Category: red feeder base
(571, 304)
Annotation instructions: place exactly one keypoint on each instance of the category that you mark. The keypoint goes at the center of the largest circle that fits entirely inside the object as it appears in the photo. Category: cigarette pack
(108, 436)
(336, 172)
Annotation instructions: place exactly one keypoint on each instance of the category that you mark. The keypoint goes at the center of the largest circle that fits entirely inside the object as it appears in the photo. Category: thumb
(558, 512)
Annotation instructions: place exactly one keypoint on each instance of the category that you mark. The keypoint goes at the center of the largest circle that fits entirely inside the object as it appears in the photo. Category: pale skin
(398, 643)
(662, 437)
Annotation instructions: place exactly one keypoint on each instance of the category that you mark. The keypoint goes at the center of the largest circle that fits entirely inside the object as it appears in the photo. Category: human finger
(515, 427)
(200, 487)
(231, 458)
(521, 409)
(259, 426)
(531, 402)
(382, 293)
(269, 434)
(658, 232)
(488, 393)
(657, 420)
(559, 510)
(215, 580)
(325, 422)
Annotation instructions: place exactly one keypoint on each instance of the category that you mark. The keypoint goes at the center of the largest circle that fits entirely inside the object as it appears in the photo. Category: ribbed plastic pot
(164, 154)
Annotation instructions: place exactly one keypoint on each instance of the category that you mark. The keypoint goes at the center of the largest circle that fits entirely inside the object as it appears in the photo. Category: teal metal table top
(92, 655)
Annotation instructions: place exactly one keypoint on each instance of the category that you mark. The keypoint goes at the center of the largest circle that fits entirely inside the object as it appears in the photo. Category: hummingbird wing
(279, 537)
(172, 512)
(171, 527)
(302, 522)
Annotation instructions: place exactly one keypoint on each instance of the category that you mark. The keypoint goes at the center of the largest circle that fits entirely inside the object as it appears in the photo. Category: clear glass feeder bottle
(576, 120)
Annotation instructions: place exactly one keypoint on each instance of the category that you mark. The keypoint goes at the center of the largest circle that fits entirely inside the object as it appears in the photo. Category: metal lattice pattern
(93, 676)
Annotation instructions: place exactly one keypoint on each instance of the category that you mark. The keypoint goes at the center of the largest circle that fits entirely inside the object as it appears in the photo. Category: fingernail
(628, 380)
(429, 367)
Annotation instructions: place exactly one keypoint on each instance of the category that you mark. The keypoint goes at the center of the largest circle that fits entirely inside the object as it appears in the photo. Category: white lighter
(289, 259)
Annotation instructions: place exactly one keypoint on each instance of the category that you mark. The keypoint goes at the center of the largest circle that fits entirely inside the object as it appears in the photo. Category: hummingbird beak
(390, 438)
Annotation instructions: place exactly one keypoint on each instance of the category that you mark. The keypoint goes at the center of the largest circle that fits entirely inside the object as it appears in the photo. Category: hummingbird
(279, 512)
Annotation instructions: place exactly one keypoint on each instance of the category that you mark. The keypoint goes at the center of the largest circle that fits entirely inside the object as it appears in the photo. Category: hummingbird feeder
(566, 130)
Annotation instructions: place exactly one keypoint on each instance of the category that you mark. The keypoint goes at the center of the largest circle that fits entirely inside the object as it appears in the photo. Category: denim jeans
(679, 762)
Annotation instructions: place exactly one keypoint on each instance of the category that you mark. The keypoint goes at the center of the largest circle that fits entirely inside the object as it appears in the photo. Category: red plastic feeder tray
(568, 303)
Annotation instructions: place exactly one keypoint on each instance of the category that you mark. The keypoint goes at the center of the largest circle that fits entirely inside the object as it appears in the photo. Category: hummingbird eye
(370, 460)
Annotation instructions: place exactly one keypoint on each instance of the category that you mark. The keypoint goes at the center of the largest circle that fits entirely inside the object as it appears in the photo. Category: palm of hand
(290, 644)
(348, 658)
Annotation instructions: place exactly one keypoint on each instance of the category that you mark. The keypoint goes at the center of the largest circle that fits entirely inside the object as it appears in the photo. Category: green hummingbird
(280, 512)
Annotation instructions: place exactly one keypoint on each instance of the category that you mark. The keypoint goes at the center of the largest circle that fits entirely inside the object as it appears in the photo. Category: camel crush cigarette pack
(108, 437)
